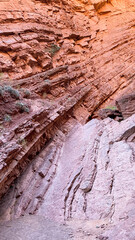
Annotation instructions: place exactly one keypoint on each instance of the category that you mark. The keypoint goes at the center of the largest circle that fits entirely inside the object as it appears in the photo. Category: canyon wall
(60, 61)
(85, 180)
(93, 42)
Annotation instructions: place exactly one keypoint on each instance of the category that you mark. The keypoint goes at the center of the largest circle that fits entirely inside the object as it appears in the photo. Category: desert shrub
(111, 107)
(1, 91)
(47, 81)
(54, 48)
(22, 142)
(22, 107)
(27, 93)
(13, 92)
(7, 118)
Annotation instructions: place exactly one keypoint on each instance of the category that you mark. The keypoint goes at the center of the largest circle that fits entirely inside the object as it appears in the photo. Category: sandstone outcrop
(126, 105)
(124, 108)
(88, 175)
(60, 62)
(114, 114)
(72, 57)
(90, 38)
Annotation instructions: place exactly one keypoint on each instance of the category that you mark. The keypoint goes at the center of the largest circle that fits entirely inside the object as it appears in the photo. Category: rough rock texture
(88, 175)
(126, 105)
(72, 56)
(89, 38)
(114, 114)
(60, 62)
(34, 228)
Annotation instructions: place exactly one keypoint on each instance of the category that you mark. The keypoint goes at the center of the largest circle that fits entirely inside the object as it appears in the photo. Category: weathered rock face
(89, 38)
(114, 114)
(124, 108)
(88, 175)
(126, 105)
(76, 56)
(60, 62)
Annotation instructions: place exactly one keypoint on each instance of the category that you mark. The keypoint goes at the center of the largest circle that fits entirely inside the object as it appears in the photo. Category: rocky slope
(88, 175)
(60, 62)
(76, 57)
(92, 41)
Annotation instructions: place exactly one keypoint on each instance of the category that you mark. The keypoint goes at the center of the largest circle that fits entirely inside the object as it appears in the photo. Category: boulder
(114, 114)
(126, 105)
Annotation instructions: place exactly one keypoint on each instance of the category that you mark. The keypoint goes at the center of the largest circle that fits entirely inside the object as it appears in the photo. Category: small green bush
(54, 48)
(22, 142)
(22, 107)
(111, 107)
(47, 81)
(7, 118)
(13, 92)
(27, 93)
(1, 91)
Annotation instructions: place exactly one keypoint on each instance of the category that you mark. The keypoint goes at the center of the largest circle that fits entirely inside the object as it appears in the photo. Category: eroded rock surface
(114, 114)
(34, 227)
(126, 105)
(60, 62)
(70, 57)
(89, 39)
(88, 176)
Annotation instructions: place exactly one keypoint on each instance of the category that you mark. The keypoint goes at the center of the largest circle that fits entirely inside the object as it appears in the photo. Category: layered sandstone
(86, 177)
(71, 58)
(92, 40)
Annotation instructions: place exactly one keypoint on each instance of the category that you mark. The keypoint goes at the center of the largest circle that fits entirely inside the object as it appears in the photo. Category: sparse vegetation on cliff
(22, 142)
(7, 118)
(53, 49)
(13, 92)
(111, 107)
(27, 93)
(22, 107)
(1, 91)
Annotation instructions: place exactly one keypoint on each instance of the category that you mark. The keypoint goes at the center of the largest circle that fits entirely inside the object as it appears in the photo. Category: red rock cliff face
(60, 61)
(92, 40)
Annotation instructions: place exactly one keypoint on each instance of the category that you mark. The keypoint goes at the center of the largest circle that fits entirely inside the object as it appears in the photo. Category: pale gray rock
(87, 175)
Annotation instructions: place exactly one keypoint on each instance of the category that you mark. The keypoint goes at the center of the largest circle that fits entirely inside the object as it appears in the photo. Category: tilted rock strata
(72, 57)
(126, 105)
(87, 175)
(93, 44)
